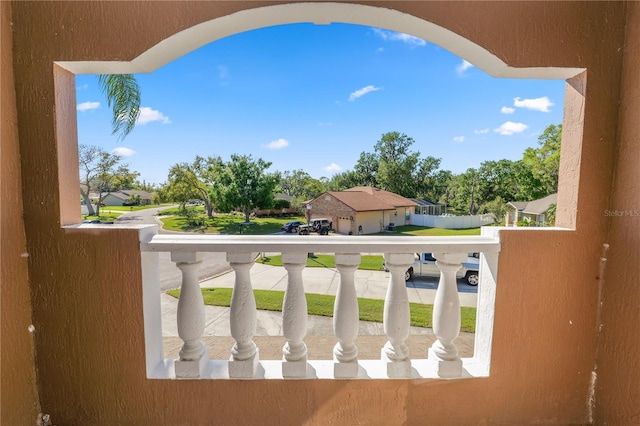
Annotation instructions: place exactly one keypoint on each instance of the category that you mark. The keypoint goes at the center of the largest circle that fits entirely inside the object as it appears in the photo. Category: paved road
(213, 264)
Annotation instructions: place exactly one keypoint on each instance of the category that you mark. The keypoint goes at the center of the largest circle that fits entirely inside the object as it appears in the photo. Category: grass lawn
(320, 304)
(227, 224)
(125, 209)
(104, 216)
(431, 232)
(369, 263)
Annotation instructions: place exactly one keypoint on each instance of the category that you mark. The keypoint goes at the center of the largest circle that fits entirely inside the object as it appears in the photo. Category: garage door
(344, 226)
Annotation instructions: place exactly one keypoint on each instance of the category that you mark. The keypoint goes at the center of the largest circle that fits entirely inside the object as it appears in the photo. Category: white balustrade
(396, 316)
(446, 316)
(346, 317)
(294, 317)
(244, 354)
(190, 317)
(443, 359)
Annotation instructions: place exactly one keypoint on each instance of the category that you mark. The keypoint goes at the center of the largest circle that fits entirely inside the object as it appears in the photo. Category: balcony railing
(244, 358)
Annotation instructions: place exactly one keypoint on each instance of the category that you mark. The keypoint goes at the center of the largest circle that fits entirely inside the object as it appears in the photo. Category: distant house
(361, 210)
(120, 198)
(531, 211)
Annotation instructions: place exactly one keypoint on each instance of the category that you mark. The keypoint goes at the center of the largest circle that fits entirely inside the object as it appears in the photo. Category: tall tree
(427, 179)
(101, 171)
(544, 161)
(397, 164)
(366, 169)
(194, 181)
(244, 184)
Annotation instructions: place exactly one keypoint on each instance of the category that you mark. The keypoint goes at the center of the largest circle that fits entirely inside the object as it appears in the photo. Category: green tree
(427, 178)
(244, 184)
(366, 170)
(194, 181)
(497, 208)
(343, 180)
(300, 185)
(544, 161)
(101, 171)
(123, 97)
(397, 164)
(462, 191)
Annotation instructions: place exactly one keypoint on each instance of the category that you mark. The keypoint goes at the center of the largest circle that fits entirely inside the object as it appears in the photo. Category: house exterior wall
(111, 200)
(618, 375)
(542, 358)
(18, 392)
(329, 207)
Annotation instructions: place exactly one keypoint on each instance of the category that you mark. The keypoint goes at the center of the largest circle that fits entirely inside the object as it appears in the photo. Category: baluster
(190, 316)
(446, 316)
(346, 318)
(294, 317)
(244, 354)
(396, 316)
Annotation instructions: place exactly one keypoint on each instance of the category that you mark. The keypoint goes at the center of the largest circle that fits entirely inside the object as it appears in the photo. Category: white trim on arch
(199, 35)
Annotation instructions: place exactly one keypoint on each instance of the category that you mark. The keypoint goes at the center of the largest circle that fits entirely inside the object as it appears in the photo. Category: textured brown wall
(86, 285)
(618, 380)
(18, 396)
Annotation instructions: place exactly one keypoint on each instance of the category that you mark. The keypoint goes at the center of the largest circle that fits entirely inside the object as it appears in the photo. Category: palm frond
(123, 97)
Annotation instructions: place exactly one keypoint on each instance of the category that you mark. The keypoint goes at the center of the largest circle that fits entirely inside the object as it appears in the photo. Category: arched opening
(194, 37)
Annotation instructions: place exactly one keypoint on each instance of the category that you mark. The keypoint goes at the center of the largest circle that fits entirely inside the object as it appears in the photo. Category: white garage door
(344, 226)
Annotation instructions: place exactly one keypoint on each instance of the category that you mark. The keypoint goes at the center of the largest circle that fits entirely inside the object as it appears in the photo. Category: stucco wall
(18, 395)
(86, 285)
(618, 372)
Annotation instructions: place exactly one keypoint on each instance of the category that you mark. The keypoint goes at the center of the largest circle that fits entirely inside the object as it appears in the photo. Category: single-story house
(119, 198)
(362, 210)
(532, 211)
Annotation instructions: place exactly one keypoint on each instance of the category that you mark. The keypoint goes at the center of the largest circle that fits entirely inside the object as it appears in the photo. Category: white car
(425, 264)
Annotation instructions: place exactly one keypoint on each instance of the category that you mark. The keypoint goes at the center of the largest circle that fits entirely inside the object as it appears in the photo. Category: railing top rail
(331, 244)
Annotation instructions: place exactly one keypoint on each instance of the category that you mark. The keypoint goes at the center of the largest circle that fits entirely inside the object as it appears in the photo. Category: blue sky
(313, 97)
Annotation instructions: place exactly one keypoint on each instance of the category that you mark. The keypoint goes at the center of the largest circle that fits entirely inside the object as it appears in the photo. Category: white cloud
(83, 87)
(464, 65)
(394, 36)
(147, 115)
(509, 128)
(123, 152)
(458, 139)
(87, 106)
(361, 92)
(332, 168)
(325, 124)
(481, 131)
(223, 72)
(277, 144)
(538, 104)
(507, 110)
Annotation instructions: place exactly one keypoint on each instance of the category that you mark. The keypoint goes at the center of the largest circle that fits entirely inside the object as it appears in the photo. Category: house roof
(425, 202)
(536, 206)
(366, 198)
(125, 194)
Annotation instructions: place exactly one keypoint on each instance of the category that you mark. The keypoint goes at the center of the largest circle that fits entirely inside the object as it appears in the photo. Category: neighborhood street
(170, 276)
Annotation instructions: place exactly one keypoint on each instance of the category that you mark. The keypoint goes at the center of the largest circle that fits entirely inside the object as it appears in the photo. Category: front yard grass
(320, 304)
(104, 217)
(431, 232)
(226, 224)
(368, 262)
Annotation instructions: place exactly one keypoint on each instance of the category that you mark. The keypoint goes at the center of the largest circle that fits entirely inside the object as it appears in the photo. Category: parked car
(291, 226)
(321, 225)
(425, 264)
